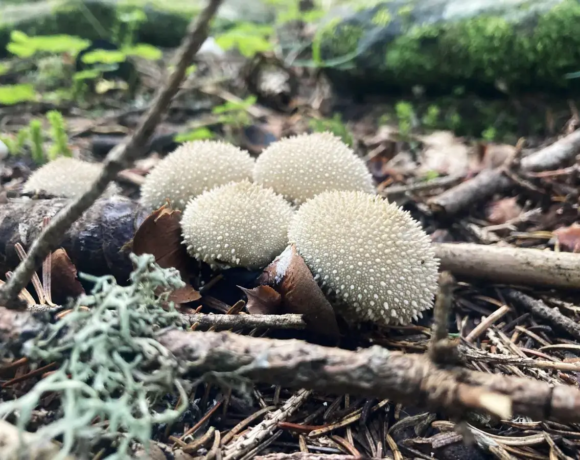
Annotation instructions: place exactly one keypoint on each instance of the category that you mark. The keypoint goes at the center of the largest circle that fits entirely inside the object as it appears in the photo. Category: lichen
(111, 368)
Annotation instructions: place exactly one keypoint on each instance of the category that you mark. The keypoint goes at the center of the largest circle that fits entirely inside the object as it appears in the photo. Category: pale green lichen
(111, 368)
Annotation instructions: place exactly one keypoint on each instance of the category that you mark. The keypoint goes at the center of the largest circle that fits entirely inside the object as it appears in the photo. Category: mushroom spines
(300, 167)
(236, 224)
(191, 169)
(66, 177)
(371, 256)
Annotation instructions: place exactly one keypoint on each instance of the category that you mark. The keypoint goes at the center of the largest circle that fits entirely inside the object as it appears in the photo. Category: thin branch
(247, 321)
(488, 183)
(541, 310)
(118, 159)
(509, 265)
(375, 372)
(441, 349)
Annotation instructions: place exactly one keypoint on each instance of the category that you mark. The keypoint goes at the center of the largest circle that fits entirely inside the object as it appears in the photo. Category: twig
(487, 322)
(266, 428)
(290, 321)
(488, 183)
(439, 182)
(376, 372)
(507, 265)
(441, 349)
(541, 310)
(308, 456)
(118, 159)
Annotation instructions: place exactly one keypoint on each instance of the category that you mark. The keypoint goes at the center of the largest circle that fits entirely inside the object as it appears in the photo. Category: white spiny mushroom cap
(193, 168)
(238, 224)
(66, 177)
(301, 167)
(373, 258)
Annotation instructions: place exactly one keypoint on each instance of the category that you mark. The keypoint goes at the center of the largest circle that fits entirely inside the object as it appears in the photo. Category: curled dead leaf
(64, 280)
(503, 211)
(263, 300)
(290, 276)
(160, 235)
(569, 237)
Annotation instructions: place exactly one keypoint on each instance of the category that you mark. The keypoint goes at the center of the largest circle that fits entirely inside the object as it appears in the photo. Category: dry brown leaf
(503, 211)
(290, 276)
(64, 280)
(569, 237)
(445, 154)
(263, 300)
(496, 154)
(160, 235)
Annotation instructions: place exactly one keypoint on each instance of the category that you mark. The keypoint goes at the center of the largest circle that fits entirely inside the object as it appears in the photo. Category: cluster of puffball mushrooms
(369, 256)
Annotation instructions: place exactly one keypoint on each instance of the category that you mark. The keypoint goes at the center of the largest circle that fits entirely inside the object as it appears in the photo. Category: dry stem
(290, 321)
(374, 372)
(507, 265)
(118, 159)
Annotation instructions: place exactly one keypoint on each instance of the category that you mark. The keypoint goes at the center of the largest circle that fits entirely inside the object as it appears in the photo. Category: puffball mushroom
(301, 167)
(238, 224)
(370, 255)
(65, 177)
(193, 168)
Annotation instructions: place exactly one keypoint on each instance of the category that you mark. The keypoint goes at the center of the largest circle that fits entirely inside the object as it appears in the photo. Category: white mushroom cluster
(237, 224)
(370, 255)
(65, 177)
(193, 168)
(301, 167)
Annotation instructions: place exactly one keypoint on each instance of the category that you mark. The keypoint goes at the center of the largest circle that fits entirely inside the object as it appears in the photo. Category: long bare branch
(118, 159)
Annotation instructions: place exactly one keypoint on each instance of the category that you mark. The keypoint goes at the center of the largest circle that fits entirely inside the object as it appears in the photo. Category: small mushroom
(65, 177)
(373, 260)
(238, 224)
(301, 167)
(193, 168)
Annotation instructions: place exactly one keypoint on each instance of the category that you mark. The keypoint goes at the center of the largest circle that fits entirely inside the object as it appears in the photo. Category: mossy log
(442, 44)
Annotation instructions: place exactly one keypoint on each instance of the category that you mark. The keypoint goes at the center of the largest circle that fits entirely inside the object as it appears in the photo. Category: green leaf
(104, 57)
(89, 74)
(235, 106)
(144, 51)
(13, 94)
(24, 46)
(190, 70)
(4, 68)
(248, 38)
(18, 36)
(20, 50)
(195, 135)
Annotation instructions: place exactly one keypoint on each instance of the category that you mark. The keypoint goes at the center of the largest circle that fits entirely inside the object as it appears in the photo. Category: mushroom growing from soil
(301, 167)
(372, 258)
(65, 177)
(238, 224)
(193, 168)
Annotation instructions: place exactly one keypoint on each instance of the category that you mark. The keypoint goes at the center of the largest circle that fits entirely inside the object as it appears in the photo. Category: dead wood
(118, 159)
(541, 310)
(374, 372)
(12, 448)
(507, 265)
(290, 321)
(488, 183)
(94, 242)
(308, 456)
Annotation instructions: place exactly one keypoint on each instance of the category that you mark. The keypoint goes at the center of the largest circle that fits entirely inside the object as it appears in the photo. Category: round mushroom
(193, 168)
(372, 258)
(301, 167)
(238, 224)
(65, 177)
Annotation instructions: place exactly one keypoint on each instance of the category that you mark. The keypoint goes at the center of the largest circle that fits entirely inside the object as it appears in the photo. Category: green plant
(489, 134)
(194, 135)
(126, 24)
(16, 145)
(14, 94)
(58, 134)
(112, 371)
(247, 38)
(36, 147)
(405, 117)
(235, 114)
(335, 125)
(431, 117)
(24, 46)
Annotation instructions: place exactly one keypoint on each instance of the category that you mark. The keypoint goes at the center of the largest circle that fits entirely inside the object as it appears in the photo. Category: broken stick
(374, 372)
(488, 183)
(507, 265)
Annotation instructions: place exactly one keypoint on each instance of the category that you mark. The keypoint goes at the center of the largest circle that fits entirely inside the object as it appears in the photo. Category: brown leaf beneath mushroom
(263, 300)
(569, 237)
(64, 281)
(290, 276)
(160, 235)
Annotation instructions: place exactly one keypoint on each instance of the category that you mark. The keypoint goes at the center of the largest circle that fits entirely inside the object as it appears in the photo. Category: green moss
(340, 39)
(382, 17)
